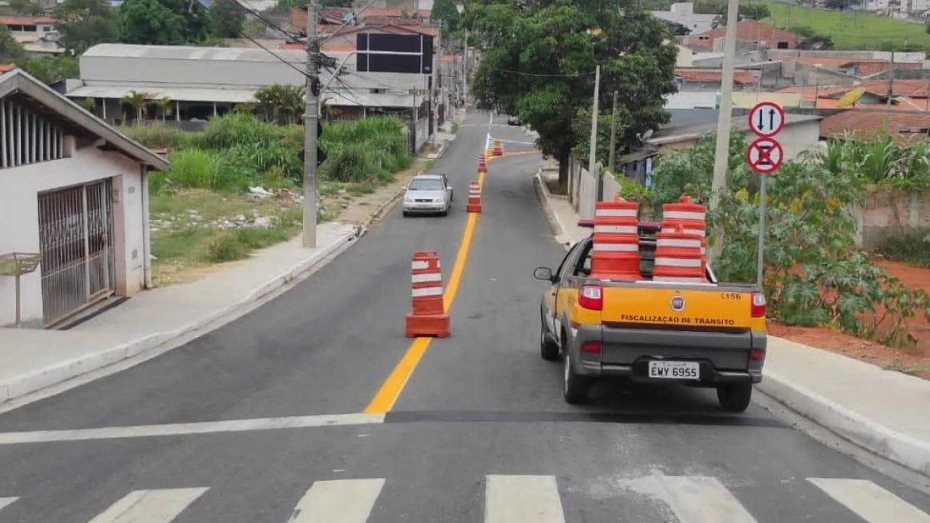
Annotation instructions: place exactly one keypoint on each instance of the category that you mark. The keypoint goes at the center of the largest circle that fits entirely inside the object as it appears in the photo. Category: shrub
(356, 150)
(814, 274)
(909, 247)
(199, 169)
(158, 136)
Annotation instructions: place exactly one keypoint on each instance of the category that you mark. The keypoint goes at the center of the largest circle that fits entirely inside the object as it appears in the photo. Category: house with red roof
(751, 31)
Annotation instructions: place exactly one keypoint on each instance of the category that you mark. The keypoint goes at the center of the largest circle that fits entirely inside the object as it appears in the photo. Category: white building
(75, 191)
(37, 34)
(683, 13)
(206, 81)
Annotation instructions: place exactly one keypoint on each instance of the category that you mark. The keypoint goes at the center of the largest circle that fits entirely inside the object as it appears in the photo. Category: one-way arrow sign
(766, 119)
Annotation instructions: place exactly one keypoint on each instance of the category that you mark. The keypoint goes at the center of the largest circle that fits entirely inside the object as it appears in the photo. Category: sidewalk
(882, 411)
(34, 359)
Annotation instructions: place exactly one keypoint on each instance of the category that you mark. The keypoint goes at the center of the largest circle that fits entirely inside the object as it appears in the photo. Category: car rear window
(425, 184)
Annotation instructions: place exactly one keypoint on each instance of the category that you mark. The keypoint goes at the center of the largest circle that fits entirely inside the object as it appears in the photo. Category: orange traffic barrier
(482, 164)
(428, 317)
(615, 253)
(498, 148)
(678, 257)
(474, 198)
(691, 216)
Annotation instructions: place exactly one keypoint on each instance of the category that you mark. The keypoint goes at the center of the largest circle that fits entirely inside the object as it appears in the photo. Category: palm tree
(137, 101)
(164, 107)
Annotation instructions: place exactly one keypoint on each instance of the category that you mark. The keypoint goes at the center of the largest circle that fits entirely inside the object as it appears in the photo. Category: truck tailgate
(689, 307)
(707, 323)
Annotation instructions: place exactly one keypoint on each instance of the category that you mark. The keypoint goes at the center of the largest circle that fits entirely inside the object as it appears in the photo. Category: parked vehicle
(428, 194)
(700, 334)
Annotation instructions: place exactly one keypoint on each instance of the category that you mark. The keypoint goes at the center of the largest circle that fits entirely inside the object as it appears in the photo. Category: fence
(890, 210)
(582, 186)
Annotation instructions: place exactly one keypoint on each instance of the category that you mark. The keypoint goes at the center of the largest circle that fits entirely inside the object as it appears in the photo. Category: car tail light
(590, 297)
(591, 347)
(757, 355)
(758, 305)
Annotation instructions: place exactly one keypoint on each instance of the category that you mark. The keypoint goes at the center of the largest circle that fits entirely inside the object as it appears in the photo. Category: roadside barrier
(498, 148)
(678, 257)
(428, 317)
(615, 254)
(691, 216)
(474, 197)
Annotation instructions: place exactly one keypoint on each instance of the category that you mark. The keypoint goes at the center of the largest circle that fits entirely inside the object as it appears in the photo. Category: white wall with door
(20, 189)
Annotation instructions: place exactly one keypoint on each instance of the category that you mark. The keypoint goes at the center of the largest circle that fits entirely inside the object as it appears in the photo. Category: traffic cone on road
(498, 148)
(428, 317)
(482, 164)
(474, 198)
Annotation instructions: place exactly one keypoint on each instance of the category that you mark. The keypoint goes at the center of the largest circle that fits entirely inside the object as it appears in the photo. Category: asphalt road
(478, 431)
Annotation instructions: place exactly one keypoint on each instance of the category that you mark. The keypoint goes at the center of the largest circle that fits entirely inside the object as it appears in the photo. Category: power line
(262, 19)
(541, 75)
(346, 23)
(279, 57)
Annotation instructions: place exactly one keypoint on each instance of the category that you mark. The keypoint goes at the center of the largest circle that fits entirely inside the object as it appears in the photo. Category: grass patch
(428, 166)
(855, 30)
(361, 188)
(911, 247)
(371, 146)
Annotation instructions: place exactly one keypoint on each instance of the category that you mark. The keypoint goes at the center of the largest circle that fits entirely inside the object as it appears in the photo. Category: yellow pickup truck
(706, 335)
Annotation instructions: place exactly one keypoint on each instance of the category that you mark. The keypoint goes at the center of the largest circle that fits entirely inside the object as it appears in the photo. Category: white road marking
(182, 429)
(518, 499)
(6, 501)
(701, 499)
(869, 501)
(150, 506)
(339, 501)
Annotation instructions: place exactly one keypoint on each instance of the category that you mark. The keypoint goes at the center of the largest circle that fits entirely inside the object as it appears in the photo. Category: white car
(428, 193)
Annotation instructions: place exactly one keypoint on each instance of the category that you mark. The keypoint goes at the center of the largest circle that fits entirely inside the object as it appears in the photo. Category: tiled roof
(746, 31)
(392, 12)
(865, 124)
(6, 68)
(713, 75)
(26, 20)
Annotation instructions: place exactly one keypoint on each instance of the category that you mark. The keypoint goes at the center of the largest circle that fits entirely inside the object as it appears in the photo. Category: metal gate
(76, 241)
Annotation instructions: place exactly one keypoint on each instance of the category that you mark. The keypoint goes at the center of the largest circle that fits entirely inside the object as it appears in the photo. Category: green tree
(164, 107)
(446, 11)
(137, 101)
(85, 23)
(11, 51)
(149, 22)
(228, 18)
(26, 7)
(51, 69)
(538, 63)
(163, 22)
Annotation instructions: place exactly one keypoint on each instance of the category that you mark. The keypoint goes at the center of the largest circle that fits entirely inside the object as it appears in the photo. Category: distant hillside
(852, 30)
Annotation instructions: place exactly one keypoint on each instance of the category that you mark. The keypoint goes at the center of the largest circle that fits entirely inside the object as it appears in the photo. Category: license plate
(675, 370)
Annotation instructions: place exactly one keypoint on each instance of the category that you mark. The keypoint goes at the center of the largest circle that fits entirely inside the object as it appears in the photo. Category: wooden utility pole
(311, 121)
(613, 135)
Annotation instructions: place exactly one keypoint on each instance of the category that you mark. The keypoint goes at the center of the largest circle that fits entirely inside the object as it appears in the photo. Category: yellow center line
(390, 390)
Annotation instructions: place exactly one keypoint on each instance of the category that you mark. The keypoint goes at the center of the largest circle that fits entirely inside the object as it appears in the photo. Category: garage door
(76, 241)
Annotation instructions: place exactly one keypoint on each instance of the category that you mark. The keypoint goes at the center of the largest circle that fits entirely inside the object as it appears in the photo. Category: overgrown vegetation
(200, 211)
(814, 273)
(880, 160)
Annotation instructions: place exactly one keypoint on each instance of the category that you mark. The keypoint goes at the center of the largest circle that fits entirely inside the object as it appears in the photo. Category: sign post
(764, 156)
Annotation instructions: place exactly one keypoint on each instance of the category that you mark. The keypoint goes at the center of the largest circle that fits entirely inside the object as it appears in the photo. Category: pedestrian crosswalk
(523, 498)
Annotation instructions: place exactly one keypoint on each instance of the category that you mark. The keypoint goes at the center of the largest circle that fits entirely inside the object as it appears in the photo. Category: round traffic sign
(766, 119)
(764, 155)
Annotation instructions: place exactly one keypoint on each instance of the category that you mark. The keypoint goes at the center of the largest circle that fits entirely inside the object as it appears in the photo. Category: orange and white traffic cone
(474, 198)
(498, 148)
(482, 164)
(428, 317)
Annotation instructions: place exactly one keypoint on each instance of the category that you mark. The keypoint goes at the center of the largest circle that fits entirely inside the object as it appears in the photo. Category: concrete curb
(874, 437)
(542, 192)
(65, 370)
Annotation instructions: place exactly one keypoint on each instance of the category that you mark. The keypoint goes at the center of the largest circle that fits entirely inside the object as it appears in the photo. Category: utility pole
(311, 120)
(613, 135)
(592, 146)
(722, 150)
(890, 83)
(465, 71)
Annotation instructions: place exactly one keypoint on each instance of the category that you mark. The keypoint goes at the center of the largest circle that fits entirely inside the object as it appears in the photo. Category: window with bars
(26, 137)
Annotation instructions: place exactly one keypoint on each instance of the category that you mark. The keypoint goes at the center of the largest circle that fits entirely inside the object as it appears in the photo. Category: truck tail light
(758, 305)
(757, 355)
(591, 347)
(590, 297)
